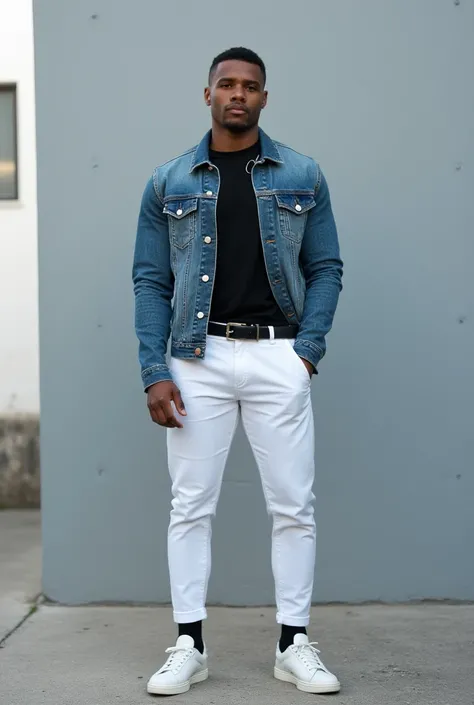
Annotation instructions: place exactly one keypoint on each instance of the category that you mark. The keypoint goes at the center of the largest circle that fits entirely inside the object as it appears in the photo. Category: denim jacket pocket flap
(297, 203)
(181, 207)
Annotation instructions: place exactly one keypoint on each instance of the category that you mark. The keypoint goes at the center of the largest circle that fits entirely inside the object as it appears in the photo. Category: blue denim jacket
(176, 248)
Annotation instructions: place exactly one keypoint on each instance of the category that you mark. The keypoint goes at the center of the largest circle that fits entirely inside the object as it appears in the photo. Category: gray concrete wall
(380, 93)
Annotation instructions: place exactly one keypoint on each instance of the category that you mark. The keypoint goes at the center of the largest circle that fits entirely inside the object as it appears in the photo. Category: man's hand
(308, 366)
(160, 396)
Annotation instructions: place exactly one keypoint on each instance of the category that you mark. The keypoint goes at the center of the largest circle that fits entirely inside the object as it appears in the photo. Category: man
(237, 259)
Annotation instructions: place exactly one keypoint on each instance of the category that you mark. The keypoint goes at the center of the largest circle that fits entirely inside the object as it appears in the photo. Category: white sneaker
(184, 667)
(300, 664)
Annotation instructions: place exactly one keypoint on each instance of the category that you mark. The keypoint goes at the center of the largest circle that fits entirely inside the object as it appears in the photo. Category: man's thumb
(178, 400)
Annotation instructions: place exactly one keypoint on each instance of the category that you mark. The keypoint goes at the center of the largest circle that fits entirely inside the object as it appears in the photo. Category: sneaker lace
(178, 656)
(309, 655)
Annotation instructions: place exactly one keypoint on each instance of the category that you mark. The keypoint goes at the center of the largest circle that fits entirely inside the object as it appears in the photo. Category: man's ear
(207, 95)
(265, 99)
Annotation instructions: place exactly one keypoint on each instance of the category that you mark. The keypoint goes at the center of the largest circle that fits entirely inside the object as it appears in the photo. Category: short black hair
(239, 54)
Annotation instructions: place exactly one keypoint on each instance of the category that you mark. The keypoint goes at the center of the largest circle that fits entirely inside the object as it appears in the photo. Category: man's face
(236, 95)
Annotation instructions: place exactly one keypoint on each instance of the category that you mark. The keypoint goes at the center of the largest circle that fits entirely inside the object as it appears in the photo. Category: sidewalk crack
(33, 609)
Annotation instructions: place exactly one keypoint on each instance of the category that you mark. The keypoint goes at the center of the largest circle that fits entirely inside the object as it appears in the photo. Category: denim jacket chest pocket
(182, 214)
(293, 211)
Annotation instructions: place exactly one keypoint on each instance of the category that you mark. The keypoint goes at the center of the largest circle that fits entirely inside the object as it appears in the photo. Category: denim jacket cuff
(154, 374)
(309, 351)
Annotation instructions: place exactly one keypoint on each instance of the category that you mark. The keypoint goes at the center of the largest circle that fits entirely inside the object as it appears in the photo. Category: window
(8, 145)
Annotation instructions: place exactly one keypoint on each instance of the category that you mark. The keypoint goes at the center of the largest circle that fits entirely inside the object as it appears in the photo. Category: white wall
(18, 231)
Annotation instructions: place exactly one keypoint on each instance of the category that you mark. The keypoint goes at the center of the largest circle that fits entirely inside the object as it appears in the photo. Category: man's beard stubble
(239, 127)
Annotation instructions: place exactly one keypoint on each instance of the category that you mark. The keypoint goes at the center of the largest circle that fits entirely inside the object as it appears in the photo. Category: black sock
(288, 634)
(194, 629)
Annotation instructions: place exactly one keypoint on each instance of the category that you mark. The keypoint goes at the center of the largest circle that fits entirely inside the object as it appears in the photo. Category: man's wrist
(308, 351)
(309, 366)
(155, 373)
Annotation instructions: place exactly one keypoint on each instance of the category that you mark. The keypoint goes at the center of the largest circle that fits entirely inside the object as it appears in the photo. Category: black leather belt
(241, 331)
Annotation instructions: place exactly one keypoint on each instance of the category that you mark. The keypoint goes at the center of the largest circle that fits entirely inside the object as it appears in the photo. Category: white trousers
(268, 385)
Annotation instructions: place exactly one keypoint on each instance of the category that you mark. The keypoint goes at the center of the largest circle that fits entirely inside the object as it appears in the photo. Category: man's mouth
(237, 110)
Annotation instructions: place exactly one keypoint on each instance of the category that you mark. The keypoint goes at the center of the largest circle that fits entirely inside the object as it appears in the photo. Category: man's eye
(225, 85)
(252, 88)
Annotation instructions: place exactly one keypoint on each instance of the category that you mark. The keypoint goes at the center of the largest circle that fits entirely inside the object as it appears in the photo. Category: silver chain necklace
(250, 164)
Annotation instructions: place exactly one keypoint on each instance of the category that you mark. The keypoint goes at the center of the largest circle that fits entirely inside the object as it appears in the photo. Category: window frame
(12, 88)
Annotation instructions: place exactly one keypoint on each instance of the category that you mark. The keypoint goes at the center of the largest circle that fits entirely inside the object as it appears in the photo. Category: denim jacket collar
(270, 150)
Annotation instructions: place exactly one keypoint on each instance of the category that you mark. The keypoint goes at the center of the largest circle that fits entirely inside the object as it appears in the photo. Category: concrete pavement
(409, 655)
(20, 565)
(384, 655)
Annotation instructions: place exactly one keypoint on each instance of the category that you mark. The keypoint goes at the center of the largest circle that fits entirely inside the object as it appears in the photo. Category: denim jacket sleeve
(322, 268)
(153, 283)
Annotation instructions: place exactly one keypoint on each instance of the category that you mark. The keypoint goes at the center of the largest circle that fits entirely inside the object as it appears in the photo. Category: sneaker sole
(180, 688)
(305, 686)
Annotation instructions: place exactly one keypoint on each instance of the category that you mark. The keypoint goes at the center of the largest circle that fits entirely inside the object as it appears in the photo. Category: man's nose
(238, 95)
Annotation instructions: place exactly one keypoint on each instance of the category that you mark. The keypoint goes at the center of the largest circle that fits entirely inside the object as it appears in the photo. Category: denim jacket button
(208, 193)
(179, 211)
(298, 207)
(200, 314)
(205, 278)
(207, 240)
(197, 352)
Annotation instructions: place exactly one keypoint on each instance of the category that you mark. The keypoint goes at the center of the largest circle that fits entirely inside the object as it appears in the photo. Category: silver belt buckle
(229, 330)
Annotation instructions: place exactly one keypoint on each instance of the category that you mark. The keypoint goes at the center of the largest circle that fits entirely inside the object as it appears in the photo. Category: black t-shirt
(242, 292)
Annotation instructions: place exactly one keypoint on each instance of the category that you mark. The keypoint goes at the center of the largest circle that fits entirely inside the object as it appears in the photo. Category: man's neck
(223, 140)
